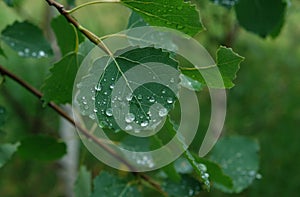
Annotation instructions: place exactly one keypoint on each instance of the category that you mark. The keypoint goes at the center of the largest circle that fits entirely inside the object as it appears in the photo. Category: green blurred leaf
(188, 186)
(41, 148)
(262, 17)
(228, 63)
(58, 87)
(83, 184)
(140, 99)
(71, 3)
(27, 39)
(6, 151)
(238, 157)
(176, 14)
(2, 116)
(109, 185)
(66, 35)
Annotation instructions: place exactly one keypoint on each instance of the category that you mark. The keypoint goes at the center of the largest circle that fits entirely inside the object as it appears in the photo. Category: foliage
(233, 164)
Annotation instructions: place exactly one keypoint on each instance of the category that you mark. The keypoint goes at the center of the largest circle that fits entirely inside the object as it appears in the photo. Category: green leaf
(41, 148)
(135, 20)
(6, 151)
(58, 86)
(2, 52)
(2, 116)
(66, 35)
(262, 17)
(175, 14)
(71, 3)
(238, 157)
(216, 174)
(109, 185)
(27, 39)
(188, 186)
(83, 184)
(225, 3)
(142, 97)
(228, 63)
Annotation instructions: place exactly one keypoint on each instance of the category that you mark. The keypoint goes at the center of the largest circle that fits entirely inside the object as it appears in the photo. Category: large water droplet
(162, 112)
(109, 112)
(129, 117)
(42, 54)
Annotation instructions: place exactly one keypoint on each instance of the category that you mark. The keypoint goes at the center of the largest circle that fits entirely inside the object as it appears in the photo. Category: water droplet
(109, 112)
(21, 53)
(12, 44)
(258, 176)
(128, 127)
(33, 54)
(104, 79)
(163, 112)
(98, 87)
(163, 91)
(140, 97)
(26, 50)
(202, 167)
(92, 116)
(105, 93)
(152, 99)
(129, 117)
(172, 80)
(95, 110)
(129, 97)
(252, 173)
(170, 100)
(112, 78)
(42, 54)
(144, 123)
(111, 86)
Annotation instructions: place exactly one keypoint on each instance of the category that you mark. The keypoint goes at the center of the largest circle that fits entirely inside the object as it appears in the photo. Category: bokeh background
(264, 104)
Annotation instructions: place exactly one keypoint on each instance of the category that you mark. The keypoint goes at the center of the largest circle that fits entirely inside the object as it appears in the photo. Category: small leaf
(228, 63)
(143, 96)
(238, 157)
(27, 40)
(6, 151)
(66, 35)
(83, 184)
(2, 116)
(58, 86)
(225, 3)
(175, 14)
(109, 185)
(188, 186)
(41, 148)
(263, 17)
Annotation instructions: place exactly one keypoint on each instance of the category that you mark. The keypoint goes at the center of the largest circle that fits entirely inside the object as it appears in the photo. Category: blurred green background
(264, 104)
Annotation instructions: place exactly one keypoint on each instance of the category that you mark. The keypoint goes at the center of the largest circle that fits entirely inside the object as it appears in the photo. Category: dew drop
(140, 97)
(111, 86)
(170, 100)
(108, 112)
(21, 53)
(129, 117)
(33, 54)
(172, 80)
(95, 110)
(92, 116)
(163, 91)
(105, 93)
(128, 127)
(162, 112)
(144, 123)
(98, 87)
(129, 97)
(152, 99)
(26, 50)
(42, 54)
